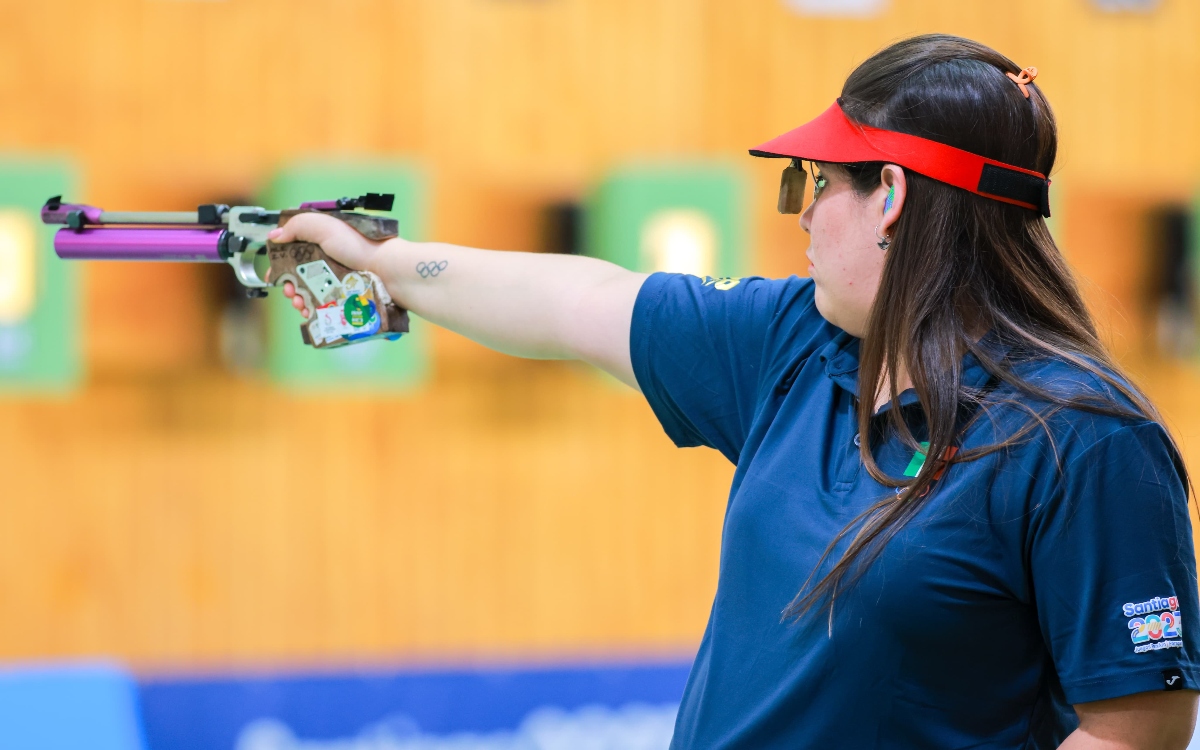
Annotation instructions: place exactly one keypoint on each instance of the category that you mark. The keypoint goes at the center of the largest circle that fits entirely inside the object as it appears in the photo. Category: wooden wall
(172, 514)
(511, 510)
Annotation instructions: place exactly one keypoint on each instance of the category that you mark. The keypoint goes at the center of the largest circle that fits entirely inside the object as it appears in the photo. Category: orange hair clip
(1026, 77)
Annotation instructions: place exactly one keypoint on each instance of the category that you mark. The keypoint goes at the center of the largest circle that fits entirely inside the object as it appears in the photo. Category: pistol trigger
(256, 293)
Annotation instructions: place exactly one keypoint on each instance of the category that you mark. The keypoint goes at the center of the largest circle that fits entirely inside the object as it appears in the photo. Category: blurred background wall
(176, 514)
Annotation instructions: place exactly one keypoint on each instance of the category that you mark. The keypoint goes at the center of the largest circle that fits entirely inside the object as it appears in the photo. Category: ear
(891, 195)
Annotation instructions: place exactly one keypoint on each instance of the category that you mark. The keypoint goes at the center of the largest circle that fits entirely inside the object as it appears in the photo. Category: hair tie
(1026, 77)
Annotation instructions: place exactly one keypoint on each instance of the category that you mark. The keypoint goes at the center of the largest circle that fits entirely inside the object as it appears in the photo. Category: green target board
(40, 336)
(373, 365)
(687, 217)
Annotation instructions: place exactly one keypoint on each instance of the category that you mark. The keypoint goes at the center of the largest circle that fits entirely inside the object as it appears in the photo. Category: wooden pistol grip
(345, 306)
(375, 228)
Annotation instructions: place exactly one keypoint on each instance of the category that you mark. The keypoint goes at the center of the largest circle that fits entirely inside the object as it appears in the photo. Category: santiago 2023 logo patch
(1154, 624)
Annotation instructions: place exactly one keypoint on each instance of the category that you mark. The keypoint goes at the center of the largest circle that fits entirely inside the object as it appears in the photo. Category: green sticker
(359, 310)
(918, 460)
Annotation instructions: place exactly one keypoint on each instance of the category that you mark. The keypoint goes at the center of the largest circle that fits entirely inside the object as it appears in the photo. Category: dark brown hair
(960, 265)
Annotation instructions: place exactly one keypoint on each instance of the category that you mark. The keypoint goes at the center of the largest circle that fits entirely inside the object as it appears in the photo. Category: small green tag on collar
(918, 460)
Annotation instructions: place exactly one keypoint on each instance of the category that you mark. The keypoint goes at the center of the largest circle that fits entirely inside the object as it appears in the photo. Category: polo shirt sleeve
(701, 349)
(1114, 571)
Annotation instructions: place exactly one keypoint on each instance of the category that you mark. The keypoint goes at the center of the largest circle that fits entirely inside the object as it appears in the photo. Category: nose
(806, 218)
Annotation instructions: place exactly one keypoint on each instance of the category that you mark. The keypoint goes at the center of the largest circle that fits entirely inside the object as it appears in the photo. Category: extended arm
(1144, 721)
(526, 304)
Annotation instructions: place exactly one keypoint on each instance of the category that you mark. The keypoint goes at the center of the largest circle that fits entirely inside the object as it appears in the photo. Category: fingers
(289, 291)
(335, 237)
(306, 227)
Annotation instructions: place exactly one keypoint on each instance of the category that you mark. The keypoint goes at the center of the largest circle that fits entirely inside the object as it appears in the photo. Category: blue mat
(67, 707)
(486, 708)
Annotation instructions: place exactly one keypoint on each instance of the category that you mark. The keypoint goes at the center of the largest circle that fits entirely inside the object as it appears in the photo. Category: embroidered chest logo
(1154, 624)
(724, 283)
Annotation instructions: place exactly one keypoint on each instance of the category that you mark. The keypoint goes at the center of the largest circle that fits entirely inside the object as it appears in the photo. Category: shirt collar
(840, 357)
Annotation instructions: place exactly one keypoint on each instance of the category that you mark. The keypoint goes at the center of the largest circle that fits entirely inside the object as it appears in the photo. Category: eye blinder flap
(791, 188)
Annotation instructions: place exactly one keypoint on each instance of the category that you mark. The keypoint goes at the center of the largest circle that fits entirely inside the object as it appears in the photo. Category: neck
(903, 383)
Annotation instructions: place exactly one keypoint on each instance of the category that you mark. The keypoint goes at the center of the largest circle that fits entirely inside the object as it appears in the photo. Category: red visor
(834, 138)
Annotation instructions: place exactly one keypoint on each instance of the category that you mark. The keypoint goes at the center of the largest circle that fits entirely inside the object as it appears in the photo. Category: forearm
(526, 304)
(1157, 720)
(1080, 739)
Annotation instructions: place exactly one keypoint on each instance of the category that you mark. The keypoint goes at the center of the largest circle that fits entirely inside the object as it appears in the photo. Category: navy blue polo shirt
(1054, 572)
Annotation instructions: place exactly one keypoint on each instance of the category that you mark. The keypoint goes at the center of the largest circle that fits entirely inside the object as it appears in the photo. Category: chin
(823, 306)
(830, 312)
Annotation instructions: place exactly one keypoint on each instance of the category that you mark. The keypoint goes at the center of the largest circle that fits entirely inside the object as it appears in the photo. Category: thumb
(306, 227)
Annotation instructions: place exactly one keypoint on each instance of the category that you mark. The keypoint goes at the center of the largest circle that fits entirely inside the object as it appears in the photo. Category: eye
(819, 183)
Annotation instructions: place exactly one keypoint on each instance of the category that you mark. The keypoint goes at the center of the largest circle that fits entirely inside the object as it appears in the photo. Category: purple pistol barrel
(102, 243)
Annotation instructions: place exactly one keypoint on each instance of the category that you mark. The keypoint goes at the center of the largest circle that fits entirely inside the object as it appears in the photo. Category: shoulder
(1081, 414)
(793, 292)
(752, 311)
(704, 350)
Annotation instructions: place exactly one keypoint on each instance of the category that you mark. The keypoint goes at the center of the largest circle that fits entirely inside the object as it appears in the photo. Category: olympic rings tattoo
(433, 268)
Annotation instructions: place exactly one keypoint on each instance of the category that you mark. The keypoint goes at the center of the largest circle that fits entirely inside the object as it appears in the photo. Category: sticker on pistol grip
(354, 283)
(362, 314)
(360, 307)
(350, 317)
(321, 281)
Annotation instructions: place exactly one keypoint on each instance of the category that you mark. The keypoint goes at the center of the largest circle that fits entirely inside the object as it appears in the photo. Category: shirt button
(857, 440)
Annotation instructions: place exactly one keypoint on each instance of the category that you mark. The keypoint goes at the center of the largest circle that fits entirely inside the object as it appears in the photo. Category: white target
(838, 8)
(18, 266)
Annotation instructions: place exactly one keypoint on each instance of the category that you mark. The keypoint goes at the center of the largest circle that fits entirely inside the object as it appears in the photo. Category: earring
(884, 243)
